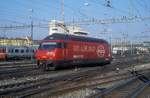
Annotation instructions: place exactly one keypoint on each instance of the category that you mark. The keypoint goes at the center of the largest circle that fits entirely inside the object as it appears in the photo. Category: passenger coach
(62, 50)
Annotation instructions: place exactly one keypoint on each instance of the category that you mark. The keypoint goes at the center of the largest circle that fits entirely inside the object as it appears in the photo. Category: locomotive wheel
(45, 67)
(50, 68)
(108, 62)
(54, 67)
(39, 65)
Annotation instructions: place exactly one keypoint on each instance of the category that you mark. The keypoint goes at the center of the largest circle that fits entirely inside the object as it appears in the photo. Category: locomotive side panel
(84, 52)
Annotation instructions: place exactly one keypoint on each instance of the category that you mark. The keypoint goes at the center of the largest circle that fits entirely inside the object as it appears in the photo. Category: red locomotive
(62, 50)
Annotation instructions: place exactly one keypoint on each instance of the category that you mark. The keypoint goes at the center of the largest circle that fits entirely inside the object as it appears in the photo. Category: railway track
(29, 69)
(14, 63)
(24, 70)
(54, 85)
(10, 69)
(131, 88)
(38, 83)
(18, 71)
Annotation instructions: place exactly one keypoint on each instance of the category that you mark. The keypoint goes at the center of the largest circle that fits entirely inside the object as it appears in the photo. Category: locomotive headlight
(109, 55)
(51, 54)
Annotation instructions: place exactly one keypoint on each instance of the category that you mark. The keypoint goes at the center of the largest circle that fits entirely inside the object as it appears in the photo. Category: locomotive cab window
(63, 45)
(48, 45)
(51, 45)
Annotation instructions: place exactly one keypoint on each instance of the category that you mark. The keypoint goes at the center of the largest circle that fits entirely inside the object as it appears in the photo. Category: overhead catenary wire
(40, 6)
(123, 12)
(92, 21)
(135, 8)
(44, 7)
(17, 16)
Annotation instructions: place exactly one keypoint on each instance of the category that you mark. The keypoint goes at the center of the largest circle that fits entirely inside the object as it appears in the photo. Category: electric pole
(31, 31)
(62, 10)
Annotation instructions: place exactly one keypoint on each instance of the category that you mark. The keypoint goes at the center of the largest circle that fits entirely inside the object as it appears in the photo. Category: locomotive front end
(45, 55)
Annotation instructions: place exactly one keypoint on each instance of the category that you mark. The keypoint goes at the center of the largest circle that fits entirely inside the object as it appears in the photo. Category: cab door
(64, 50)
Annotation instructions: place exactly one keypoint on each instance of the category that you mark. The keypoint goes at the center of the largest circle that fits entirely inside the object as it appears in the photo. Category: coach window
(27, 50)
(16, 50)
(9, 50)
(12, 51)
(31, 51)
(22, 51)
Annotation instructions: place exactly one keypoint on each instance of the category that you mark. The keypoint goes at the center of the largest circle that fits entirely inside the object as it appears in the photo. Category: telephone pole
(31, 32)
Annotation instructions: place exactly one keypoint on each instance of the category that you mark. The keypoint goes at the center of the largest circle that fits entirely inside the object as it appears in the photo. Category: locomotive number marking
(100, 51)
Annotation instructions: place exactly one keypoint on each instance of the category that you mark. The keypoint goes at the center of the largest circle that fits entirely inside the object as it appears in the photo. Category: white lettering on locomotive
(76, 48)
(84, 48)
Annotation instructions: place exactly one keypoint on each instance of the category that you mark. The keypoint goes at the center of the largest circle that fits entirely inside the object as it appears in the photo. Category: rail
(133, 94)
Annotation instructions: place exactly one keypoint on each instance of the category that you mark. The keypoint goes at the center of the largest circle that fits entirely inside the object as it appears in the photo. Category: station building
(17, 42)
(128, 48)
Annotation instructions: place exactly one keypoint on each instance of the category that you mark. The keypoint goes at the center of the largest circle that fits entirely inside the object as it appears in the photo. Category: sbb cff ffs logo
(100, 51)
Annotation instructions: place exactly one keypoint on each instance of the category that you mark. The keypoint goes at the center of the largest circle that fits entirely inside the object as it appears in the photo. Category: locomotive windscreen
(49, 45)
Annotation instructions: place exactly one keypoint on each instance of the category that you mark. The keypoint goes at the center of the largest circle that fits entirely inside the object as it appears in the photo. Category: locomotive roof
(57, 36)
